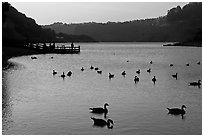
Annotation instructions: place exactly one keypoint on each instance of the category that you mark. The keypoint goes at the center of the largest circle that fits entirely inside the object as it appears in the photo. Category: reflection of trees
(6, 106)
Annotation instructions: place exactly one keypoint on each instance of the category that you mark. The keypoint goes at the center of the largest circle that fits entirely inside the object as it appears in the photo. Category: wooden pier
(51, 48)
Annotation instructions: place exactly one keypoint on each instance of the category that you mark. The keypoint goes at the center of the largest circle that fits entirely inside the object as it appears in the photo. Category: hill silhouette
(180, 24)
(18, 29)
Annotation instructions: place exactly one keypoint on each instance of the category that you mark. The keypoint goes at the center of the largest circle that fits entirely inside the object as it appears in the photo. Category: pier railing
(63, 49)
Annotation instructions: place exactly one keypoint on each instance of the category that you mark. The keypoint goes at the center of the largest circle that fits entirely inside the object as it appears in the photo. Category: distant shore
(185, 44)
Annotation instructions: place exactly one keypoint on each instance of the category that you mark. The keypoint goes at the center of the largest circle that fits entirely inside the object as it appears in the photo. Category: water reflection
(102, 123)
(6, 106)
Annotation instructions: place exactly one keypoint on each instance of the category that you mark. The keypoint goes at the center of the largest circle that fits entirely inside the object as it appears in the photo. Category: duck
(150, 62)
(54, 72)
(69, 73)
(198, 63)
(138, 71)
(154, 79)
(63, 75)
(82, 69)
(177, 111)
(171, 65)
(100, 110)
(101, 122)
(99, 71)
(187, 64)
(175, 76)
(149, 70)
(33, 57)
(96, 68)
(91, 67)
(195, 83)
(111, 75)
(124, 73)
(136, 79)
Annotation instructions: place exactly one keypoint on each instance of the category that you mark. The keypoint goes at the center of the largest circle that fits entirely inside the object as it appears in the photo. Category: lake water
(36, 102)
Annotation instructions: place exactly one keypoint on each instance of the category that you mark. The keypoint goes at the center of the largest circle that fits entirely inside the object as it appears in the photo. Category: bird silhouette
(195, 83)
(175, 76)
(149, 70)
(154, 79)
(100, 110)
(111, 75)
(177, 111)
(54, 72)
(136, 79)
(69, 73)
(124, 73)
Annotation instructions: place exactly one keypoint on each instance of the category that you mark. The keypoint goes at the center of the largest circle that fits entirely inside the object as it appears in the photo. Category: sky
(45, 13)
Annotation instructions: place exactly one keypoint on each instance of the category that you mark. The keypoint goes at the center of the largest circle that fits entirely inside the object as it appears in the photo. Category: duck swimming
(136, 79)
(175, 76)
(96, 68)
(111, 75)
(195, 83)
(69, 73)
(54, 72)
(91, 67)
(154, 79)
(149, 70)
(82, 69)
(124, 73)
(63, 75)
(99, 71)
(138, 71)
(177, 111)
(150, 62)
(101, 123)
(171, 65)
(100, 110)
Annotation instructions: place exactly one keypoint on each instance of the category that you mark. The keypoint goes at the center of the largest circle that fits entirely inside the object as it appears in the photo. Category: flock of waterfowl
(136, 78)
(99, 110)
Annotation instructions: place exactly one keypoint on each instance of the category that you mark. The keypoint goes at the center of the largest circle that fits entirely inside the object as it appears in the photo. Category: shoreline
(185, 44)
(9, 52)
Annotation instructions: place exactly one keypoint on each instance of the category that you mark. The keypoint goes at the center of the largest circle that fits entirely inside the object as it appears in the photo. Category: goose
(187, 64)
(111, 75)
(96, 68)
(69, 73)
(150, 62)
(154, 79)
(171, 65)
(91, 67)
(100, 110)
(138, 71)
(82, 69)
(54, 72)
(198, 63)
(63, 75)
(99, 71)
(136, 79)
(149, 70)
(175, 76)
(195, 83)
(100, 122)
(124, 73)
(177, 111)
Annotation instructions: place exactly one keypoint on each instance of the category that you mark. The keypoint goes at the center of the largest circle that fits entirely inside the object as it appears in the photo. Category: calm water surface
(36, 102)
